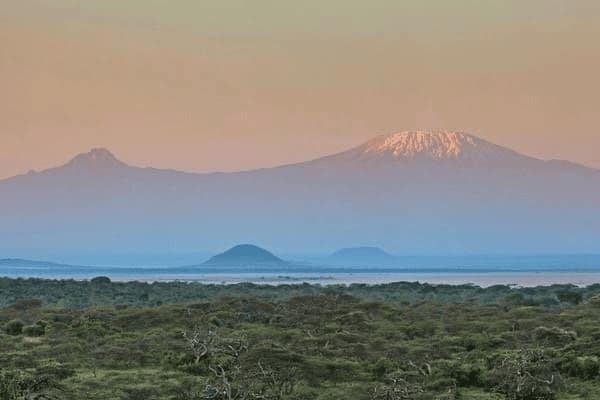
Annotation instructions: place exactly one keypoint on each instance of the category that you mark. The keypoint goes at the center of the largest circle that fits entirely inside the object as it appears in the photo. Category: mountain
(245, 255)
(31, 264)
(361, 256)
(460, 148)
(413, 192)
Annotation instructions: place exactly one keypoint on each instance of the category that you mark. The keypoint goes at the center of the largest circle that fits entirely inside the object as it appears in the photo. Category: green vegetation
(105, 340)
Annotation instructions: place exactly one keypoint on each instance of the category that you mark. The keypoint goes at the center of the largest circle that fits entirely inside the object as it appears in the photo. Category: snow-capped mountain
(432, 145)
(435, 145)
(442, 147)
(411, 192)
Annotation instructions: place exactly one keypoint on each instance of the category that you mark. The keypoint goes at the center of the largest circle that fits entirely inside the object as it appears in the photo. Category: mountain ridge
(21, 262)
(488, 200)
(435, 145)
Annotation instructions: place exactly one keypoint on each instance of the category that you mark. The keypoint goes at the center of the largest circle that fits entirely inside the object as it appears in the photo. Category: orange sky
(221, 85)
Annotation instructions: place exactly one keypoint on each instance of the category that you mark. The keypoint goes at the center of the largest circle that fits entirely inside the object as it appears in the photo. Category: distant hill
(21, 263)
(245, 255)
(361, 256)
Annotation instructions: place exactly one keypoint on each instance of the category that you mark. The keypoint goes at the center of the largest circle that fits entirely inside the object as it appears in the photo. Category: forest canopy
(100, 339)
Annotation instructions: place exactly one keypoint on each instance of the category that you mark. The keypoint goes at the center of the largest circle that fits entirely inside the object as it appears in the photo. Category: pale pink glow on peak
(437, 144)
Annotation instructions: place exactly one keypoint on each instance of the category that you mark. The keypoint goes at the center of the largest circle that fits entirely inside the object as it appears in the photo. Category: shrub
(382, 367)
(586, 367)
(14, 327)
(37, 329)
(554, 336)
(568, 296)
(594, 301)
(24, 305)
(54, 370)
(100, 280)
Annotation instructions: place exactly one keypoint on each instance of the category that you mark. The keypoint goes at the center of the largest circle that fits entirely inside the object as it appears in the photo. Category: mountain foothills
(410, 192)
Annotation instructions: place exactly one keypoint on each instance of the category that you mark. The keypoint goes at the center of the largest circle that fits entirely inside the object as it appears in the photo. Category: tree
(222, 358)
(232, 377)
(527, 375)
(20, 385)
(405, 383)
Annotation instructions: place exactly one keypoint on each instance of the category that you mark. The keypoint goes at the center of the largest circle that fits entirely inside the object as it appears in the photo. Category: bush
(24, 305)
(554, 336)
(382, 367)
(586, 367)
(38, 329)
(54, 370)
(594, 301)
(14, 327)
(568, 296)
(100, 280)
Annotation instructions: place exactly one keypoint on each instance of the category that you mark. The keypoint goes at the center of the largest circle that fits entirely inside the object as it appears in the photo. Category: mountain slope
(438, 146)
(32, 264)
(361, 256)
(413, 192)
(245, 255)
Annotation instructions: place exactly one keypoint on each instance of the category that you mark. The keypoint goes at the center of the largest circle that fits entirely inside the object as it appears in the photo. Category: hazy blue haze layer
(481, 270)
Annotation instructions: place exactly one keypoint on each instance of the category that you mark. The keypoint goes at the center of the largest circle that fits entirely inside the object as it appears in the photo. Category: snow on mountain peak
(437, 145)
(96, 158)
(100, 154)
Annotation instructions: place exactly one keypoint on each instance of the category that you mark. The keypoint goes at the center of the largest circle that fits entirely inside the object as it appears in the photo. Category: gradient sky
(205, 85)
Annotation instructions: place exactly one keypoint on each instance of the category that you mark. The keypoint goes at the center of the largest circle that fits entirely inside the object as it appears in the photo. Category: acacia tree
(406, 383)
(230, 378)
(19, 385)
(410, 381)
(527, 375)
(222, 357)
(265, 383)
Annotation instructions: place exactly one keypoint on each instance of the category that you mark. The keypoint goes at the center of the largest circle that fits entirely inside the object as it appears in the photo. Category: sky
(205, 85)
